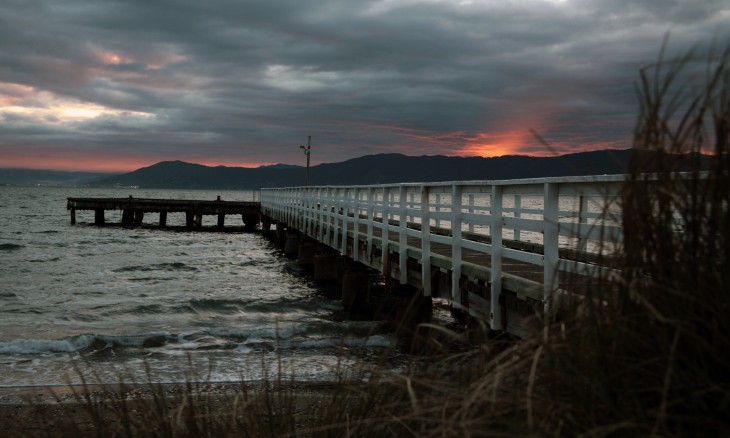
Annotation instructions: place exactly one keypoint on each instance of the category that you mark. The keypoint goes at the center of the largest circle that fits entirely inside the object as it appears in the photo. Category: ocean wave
(146, 309)
(370, 341)
(37, 346)
(52, 259)
(175, 266)
(83, 342)
(10, 247)
(217, 305)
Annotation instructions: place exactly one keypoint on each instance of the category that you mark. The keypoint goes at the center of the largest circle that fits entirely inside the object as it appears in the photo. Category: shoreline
(69, 393)
(84, 410)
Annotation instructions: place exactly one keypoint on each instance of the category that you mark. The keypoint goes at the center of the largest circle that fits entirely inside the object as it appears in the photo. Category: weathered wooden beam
(99, 216)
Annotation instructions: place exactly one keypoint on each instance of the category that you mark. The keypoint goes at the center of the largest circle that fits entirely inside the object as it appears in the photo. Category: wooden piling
(99, 216)
(306, 252)
(325, 268)
(291, 246)
(127, 217)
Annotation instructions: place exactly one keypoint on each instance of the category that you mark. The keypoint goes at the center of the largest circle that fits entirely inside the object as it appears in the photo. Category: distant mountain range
(371, 169)
(32, 177)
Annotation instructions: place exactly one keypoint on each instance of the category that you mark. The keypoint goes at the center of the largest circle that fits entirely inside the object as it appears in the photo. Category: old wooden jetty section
(501, 251)
(134, 209)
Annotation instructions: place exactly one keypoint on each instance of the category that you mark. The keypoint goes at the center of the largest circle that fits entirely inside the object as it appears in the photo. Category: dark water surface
(114, 301)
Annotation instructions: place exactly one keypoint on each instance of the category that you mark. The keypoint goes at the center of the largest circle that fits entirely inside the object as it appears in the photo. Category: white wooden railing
(576, 213)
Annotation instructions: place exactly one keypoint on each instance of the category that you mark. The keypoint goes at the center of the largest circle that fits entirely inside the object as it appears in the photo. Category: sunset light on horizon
(118, 87)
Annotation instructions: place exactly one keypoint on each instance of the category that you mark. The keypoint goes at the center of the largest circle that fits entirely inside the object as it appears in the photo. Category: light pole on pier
(307, 152)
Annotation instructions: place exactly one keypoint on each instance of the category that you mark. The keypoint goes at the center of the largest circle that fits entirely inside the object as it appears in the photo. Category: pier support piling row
(352, 262)
(133, 210)
(349, 280)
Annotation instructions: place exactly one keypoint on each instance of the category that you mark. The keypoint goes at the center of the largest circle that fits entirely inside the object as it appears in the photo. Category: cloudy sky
(115, 85)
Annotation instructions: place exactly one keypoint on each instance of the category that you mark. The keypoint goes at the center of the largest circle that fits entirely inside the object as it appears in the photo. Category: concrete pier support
(291, 246)
(355, 287)
(73, 216)
(280, 233)
(138, 217)
(306, 253)
(251, 220)
(221, 219)
(99, 216)
(265, 224)
(163, 218)
(411, 310)
(189, 219)
(325, 268)
(127, 217)
(198, 220)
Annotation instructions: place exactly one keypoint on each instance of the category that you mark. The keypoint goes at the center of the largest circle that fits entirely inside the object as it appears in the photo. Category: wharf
(134, 209)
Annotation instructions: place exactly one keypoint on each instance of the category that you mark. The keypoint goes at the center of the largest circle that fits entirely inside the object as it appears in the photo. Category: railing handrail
(590, 220)
(505, 182)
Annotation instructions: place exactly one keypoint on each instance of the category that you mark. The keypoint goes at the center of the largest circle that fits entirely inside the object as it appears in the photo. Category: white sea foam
(36, 346)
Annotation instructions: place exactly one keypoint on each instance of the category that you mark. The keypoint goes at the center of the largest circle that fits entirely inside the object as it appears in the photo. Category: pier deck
(134, 209)
(503, 251)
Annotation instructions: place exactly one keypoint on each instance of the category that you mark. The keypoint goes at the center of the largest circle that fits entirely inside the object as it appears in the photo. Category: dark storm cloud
(247, 81)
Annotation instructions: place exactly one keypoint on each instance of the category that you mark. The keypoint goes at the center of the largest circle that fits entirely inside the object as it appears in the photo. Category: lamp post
(307, 152)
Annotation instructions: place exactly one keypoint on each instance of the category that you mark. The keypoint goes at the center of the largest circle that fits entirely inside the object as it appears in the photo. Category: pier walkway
(134, 209)
(503, 251)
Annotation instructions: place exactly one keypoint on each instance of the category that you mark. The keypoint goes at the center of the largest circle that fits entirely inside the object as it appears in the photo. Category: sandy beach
(80, 410)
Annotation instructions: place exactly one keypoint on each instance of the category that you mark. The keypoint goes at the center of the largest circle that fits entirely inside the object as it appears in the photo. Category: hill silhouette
(373, 169)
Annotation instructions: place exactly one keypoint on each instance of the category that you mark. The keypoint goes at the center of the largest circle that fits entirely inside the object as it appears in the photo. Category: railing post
(456, 245)
(411, 203)
(517, 213)
(384, 233)
(495, 229)
(550, 245)
(335, 217)
(332, 219)
(438, 209)
(403, 235)
(471, 210)
(356, 226)
(311, 212)
(582, 219)
(305, 210)
(320, 213)
(425, 241)
(371, 207)
(339, 220)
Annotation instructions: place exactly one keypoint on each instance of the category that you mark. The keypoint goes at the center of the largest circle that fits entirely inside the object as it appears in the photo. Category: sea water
(142, 304)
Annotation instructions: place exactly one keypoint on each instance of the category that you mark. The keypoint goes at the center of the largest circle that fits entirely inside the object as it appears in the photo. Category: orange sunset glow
(495, 145)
